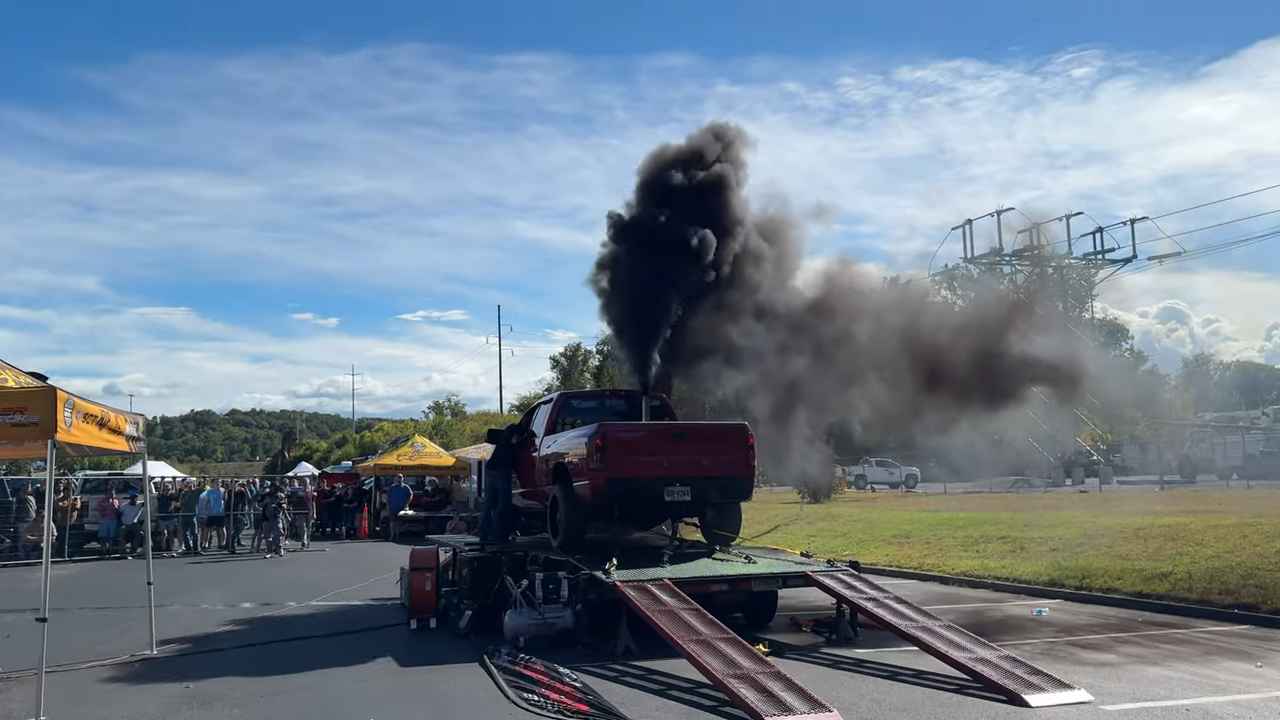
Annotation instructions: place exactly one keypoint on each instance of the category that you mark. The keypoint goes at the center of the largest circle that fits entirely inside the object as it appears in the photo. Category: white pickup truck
(882, 471)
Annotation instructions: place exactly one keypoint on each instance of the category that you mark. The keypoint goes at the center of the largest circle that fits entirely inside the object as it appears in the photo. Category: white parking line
(1072, 638)
(990, 604)
(1191, 701)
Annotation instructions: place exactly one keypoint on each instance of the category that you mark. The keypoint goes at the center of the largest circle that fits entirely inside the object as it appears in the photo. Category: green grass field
(1219, 546)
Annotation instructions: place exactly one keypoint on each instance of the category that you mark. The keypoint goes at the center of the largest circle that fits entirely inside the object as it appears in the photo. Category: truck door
(890, 472)
(528, 481)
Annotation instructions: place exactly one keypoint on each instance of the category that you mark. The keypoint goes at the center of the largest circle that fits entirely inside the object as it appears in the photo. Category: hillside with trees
(202, 436)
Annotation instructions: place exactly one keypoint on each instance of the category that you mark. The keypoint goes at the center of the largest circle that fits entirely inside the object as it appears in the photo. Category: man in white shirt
(132, 516)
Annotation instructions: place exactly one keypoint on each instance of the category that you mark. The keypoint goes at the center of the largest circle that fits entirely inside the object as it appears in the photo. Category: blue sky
(216, 205)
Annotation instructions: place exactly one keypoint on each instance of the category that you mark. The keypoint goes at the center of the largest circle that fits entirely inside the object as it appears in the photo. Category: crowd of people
(200, 515)
(193, 516)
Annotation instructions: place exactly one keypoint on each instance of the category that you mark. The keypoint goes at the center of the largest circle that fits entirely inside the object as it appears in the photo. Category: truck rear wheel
(565, 522)
(721, 523)
(859, 482)
(760, 609)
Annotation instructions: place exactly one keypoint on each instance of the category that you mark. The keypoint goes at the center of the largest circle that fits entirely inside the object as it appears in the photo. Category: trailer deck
(656, 578)
(649, 556)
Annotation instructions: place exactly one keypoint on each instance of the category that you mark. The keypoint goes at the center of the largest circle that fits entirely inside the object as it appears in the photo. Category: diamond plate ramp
(994, 667)
(755, 685)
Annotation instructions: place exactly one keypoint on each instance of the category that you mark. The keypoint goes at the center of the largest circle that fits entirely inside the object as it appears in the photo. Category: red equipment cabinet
(420, 585)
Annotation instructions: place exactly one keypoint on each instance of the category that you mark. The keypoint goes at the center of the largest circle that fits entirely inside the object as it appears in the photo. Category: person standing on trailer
(495, 524)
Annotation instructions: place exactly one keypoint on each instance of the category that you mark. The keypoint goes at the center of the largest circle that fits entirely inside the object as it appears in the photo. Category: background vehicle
(587, 457)
(882, 471)
(92, 487)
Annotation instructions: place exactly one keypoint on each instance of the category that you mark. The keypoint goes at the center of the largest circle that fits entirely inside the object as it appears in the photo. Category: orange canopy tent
(36, 419)
(34, 413)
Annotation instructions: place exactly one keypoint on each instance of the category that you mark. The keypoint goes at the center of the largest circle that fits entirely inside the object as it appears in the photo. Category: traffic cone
(362, 526)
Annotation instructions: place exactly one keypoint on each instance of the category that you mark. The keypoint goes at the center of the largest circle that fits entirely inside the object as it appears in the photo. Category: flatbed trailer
(681, 589)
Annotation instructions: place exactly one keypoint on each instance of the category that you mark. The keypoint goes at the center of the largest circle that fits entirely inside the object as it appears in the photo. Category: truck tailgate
(678, 449)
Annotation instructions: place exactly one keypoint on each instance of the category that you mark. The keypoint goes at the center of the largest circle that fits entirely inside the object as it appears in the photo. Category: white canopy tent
(156, 469)
(303, 469)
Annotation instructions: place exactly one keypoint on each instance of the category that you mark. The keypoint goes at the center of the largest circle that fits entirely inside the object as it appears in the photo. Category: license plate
(677, 493)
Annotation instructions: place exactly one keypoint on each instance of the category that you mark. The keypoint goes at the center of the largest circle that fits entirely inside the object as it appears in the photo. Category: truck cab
(591, 458)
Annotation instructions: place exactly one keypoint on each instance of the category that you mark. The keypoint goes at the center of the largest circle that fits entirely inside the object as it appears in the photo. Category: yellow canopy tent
(416, 455)
(36, 419)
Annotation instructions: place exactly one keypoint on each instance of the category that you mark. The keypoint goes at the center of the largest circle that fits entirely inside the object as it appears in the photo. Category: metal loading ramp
(755, 685)
(997, 669)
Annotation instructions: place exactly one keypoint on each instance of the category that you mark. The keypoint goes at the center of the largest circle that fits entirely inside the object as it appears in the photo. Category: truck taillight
(751, 446)
(595, 451)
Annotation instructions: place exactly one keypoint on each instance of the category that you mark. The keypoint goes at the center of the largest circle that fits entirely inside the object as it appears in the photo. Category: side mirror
(494, 436)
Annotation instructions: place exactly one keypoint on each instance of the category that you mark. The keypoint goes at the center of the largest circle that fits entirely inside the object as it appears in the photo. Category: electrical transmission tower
(1038, 263)
(1034, 266)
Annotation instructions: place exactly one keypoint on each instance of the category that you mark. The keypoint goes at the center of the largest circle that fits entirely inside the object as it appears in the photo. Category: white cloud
(314, 319)
(163, 312)
(1170, 330)
(441, 315)
(489, 175)
(394, 150)
(1175, 312)
(224, 366)
(561, 336)
(1270, 347)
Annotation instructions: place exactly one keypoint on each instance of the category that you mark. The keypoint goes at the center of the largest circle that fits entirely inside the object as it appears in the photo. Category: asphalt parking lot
(320, 634)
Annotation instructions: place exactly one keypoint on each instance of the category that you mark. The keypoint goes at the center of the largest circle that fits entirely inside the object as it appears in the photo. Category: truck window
(575, 412)
(889, 464)
(539, 422)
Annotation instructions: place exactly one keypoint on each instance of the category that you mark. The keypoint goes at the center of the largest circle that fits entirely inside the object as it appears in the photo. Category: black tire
(759, 609)
(721, 523)
(565, 523)
(911, 481)
(859, 482)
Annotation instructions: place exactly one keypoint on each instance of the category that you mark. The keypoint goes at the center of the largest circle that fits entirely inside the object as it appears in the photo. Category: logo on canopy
(68, 412)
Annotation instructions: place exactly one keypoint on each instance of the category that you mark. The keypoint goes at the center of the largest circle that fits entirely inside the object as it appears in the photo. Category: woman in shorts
(108, 521)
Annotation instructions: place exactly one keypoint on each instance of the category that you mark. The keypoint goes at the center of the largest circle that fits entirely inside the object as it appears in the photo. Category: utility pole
(500, 403)
(353, 374)
(130, 402)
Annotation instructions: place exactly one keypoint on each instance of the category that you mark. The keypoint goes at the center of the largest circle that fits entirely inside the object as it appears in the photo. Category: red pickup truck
(588, 458)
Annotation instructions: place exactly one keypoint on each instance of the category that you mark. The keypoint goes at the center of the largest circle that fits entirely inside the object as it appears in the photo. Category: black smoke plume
(693, 283)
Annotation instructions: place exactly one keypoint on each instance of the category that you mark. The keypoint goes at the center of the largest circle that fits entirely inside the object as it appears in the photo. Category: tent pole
(146, 538)
(46, 566)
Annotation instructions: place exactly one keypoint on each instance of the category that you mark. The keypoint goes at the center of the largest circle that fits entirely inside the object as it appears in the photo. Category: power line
(1215, 202)
(1224, 223)
(1209, 250)
(939, 249)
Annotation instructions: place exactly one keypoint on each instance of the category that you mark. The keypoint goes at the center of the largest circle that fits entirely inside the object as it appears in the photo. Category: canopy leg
(146, 535)
(46, 566)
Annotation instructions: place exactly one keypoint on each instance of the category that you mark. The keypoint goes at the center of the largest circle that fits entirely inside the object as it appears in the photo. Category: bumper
(649, 492)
